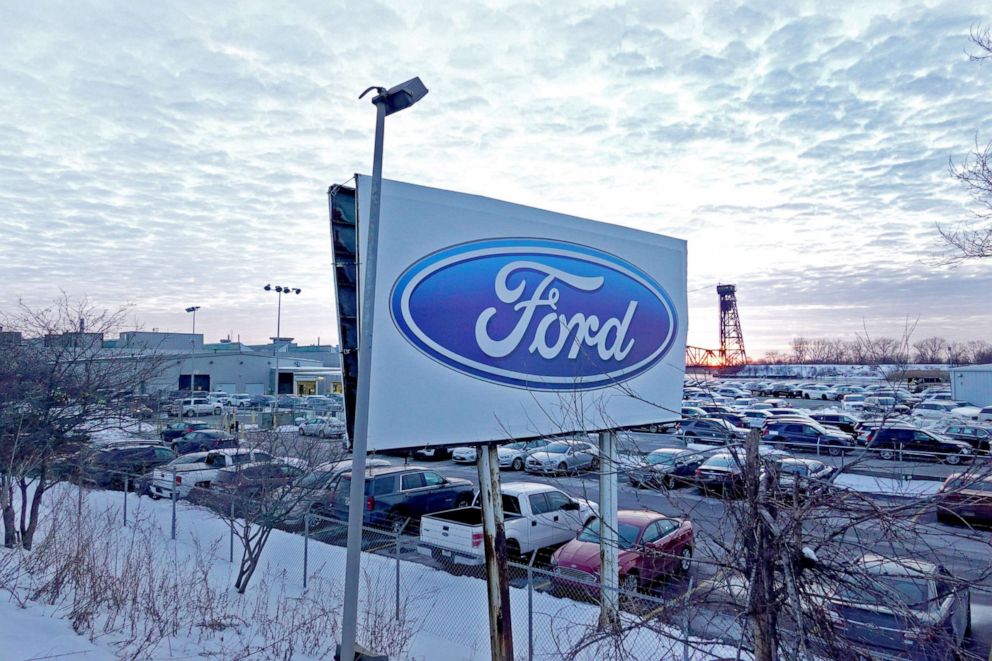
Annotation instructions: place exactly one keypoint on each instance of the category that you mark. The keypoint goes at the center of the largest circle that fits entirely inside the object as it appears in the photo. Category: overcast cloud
(178, 153)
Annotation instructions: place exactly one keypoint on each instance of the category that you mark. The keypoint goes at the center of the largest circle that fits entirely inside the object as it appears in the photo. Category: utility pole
(192, 355)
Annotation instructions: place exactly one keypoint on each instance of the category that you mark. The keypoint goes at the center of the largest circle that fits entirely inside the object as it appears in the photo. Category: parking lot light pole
(280, 290)
(192, 355)
(386, 103)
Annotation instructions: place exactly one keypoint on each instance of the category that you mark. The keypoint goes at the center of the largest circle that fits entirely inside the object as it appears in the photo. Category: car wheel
(594, 464)
(634, 482)
(834, 451)
(685, 560)
(887, 454)
(668, 482)
(630, 584)
(154, 496)
(952, 459)
(463, 501)
(518, 464)
(218, 410)
(187, 414)
(563, 467)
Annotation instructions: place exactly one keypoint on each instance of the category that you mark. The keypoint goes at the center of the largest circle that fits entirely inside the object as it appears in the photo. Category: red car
(965, 498)
(652, 546)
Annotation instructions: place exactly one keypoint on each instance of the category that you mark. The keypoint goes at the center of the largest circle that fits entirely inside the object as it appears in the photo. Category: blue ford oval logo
(535, 313)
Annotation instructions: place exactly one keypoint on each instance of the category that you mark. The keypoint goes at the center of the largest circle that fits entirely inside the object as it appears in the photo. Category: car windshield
(557, 448)
(720, 461)
(662, 458)
(519, 445)
(315, 480)
(909, 591)
(627, 537)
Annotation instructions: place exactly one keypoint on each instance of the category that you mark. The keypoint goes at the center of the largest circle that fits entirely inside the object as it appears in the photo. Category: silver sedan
(563, 457)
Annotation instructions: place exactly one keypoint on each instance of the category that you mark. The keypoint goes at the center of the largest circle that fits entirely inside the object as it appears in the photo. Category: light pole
(386, 103)
(192, 353)
(280, 290)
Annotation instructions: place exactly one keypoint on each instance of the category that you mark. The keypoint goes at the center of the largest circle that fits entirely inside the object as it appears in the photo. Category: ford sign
(534, 313)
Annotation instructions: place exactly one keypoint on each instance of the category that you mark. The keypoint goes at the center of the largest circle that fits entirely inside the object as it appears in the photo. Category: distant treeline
(878, 351)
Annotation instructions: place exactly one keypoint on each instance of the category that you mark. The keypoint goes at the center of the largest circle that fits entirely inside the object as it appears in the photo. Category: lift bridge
(731, 352)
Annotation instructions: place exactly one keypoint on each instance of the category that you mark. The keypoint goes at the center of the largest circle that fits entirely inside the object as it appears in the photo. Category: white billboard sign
(497, 321)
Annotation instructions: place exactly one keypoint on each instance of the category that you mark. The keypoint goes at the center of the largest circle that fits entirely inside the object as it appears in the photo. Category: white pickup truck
(199, 470)
(536, 516)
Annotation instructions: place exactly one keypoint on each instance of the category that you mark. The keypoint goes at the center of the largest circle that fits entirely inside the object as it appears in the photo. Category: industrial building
(229, 366)
(972, 384)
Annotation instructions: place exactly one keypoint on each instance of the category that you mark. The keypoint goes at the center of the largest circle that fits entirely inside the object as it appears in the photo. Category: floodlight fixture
(398, 98)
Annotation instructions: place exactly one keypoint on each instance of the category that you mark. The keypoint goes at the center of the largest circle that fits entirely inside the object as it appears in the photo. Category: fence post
(306, 548)
(125, 499)
(396, 551)
(688, 621)
(230, 541)
(174, 496)
(530, 607)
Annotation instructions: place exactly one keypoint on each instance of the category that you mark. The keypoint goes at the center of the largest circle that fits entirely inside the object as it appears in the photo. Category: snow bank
(444, 616)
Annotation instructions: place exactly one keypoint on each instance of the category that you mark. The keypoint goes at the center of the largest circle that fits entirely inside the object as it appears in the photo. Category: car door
(415, 496)
(543, 533)
(565, 521)
(659, 543)
(440, 496)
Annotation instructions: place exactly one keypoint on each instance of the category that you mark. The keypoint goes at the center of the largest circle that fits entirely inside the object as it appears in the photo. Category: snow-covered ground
(443, 615)
(821, 371)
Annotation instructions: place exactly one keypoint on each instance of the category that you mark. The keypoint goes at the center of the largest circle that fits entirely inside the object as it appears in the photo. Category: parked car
(107, 468)
(932, 409)
(693, 412)
(173, 431)
(884, 404)
(736, 419)
(853, 402)
(261, 402)
(756, 418)
(807, 435)
(666, 467)
(985, 415)
(901, 608)
(432, 453)
(397, 496)
(162, 486)
(514, 455)
(240, 400)
(721, 472)
(816, 391)
(652, 547)
(248, 487)
(965, 498)
(708, 430)
(837, 393)
(977, 436)
(563, 456)
(312, 492)
(806, 475)
(842, 421)
(890, 441)
(193, 406)
(202, 473)
(536, 516)
(322, 426)
(204, 439)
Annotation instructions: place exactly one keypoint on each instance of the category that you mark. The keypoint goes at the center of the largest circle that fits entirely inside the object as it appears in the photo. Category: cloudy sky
(178, 153)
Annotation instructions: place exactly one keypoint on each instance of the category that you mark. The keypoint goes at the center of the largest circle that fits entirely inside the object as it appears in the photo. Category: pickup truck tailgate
(463, 538)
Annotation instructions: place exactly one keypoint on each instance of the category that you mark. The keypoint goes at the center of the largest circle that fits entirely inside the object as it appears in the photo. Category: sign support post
(494, 542)
(353, 555)
(609, 558)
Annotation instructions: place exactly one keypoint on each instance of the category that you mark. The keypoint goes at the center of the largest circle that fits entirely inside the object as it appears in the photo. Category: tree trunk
(27, 534)
(9, 516)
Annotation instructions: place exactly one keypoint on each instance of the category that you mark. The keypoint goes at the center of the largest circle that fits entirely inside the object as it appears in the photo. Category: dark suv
(977, 437)
(890, 441)
(809, 436)
(394, 494)
(203, 440)
(107, 467)
(841, 421)
(710, 430)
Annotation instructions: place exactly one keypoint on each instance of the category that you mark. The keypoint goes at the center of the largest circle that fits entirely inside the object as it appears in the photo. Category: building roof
(973, 368)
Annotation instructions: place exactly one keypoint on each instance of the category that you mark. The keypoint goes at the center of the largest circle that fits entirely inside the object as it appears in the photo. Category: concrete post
(609, 557)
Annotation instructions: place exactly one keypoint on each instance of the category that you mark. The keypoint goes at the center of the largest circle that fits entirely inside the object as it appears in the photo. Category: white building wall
(973, 385)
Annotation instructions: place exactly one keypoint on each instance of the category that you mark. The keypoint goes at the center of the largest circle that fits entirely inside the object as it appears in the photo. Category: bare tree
(973, 239)
(930, 350)
(57, 385)
(255, 499)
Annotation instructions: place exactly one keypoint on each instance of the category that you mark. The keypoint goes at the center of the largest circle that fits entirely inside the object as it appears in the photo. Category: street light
(386, 103)
(280, 290)
(192, 352)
